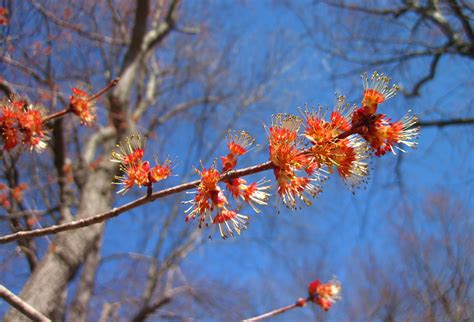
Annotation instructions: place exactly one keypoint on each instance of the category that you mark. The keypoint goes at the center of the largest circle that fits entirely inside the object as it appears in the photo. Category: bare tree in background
(406, 34)
(412, 37)
(429, 275)
(171, 67)
(168, 68)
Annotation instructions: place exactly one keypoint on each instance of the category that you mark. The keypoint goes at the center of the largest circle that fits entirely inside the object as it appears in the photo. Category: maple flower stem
(56, 115)
(63, 112)
(344, 135)
(149, 187)
(299, 303)
(103, 90)
(139, 202)
(21, 305)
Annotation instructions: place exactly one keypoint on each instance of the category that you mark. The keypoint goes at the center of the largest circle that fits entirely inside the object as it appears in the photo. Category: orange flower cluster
(340, 143)
(136, 171)
(348, 155)
(303, 151)
(379, 131)
(211, 206)
(295, 172)
(4, 202)
(83, 106)
(4, 20)
(16, 194)
(22, 123)
(324, 295)
(238, 144)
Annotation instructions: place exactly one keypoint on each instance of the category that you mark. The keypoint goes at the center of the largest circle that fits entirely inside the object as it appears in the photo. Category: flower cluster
(331, 149)
(379, 131)
(83, 106)
(4, 202)
(4, 20)
(324, 295)
(341, 141)
(22, 123)
(210, 204)
(295, 172)
(238, 144)
(16, 194)
(303, 151)
(136, 171)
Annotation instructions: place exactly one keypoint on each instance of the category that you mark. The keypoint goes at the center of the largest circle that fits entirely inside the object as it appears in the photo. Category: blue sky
(282, 251)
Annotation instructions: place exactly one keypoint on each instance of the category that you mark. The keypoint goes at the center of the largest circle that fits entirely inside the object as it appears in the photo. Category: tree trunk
(80, 305)
(69, 249)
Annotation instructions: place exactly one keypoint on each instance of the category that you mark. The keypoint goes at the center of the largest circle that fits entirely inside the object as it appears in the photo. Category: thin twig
(6, 88)
(131, 205)
(176, 189)
(56, 115)
(442, 123)
(21, 305)
(299, 303)
(101, 92)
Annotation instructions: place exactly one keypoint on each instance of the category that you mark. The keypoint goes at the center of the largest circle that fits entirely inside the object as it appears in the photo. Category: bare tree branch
(431, 74)
(457, 36)
(77, 28)
(80, 305)
(21, 305)
(172, 190)
(108, 310)
(164, 299)
(139, 31)
(443, 123)
(81, 223)
(6, 88)
(159, 32)
(466, 23)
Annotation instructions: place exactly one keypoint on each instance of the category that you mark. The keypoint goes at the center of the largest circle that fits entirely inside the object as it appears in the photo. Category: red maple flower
(8, 125)
(347, 154)
(289, 159)
(285, 145)
(160, 171)
(376, 91)
(31, 125)
(211, 207)
(83, 106)
(136, 171)
(17, 192)
(318, 130)
(324, 294)
(238, 144)
(21, 122)
(4, 20)
(207, 197)
(229, 221)
(384, 135)
(253, 194)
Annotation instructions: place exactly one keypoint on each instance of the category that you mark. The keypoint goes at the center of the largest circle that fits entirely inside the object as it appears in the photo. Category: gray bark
(68, 251)
(80, 305)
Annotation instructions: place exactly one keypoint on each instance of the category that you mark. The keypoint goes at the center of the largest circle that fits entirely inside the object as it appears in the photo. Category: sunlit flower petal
(325, 294)
(83, 106)
(136, 171)
(253, 194)
(376, 91)
(229, 221)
